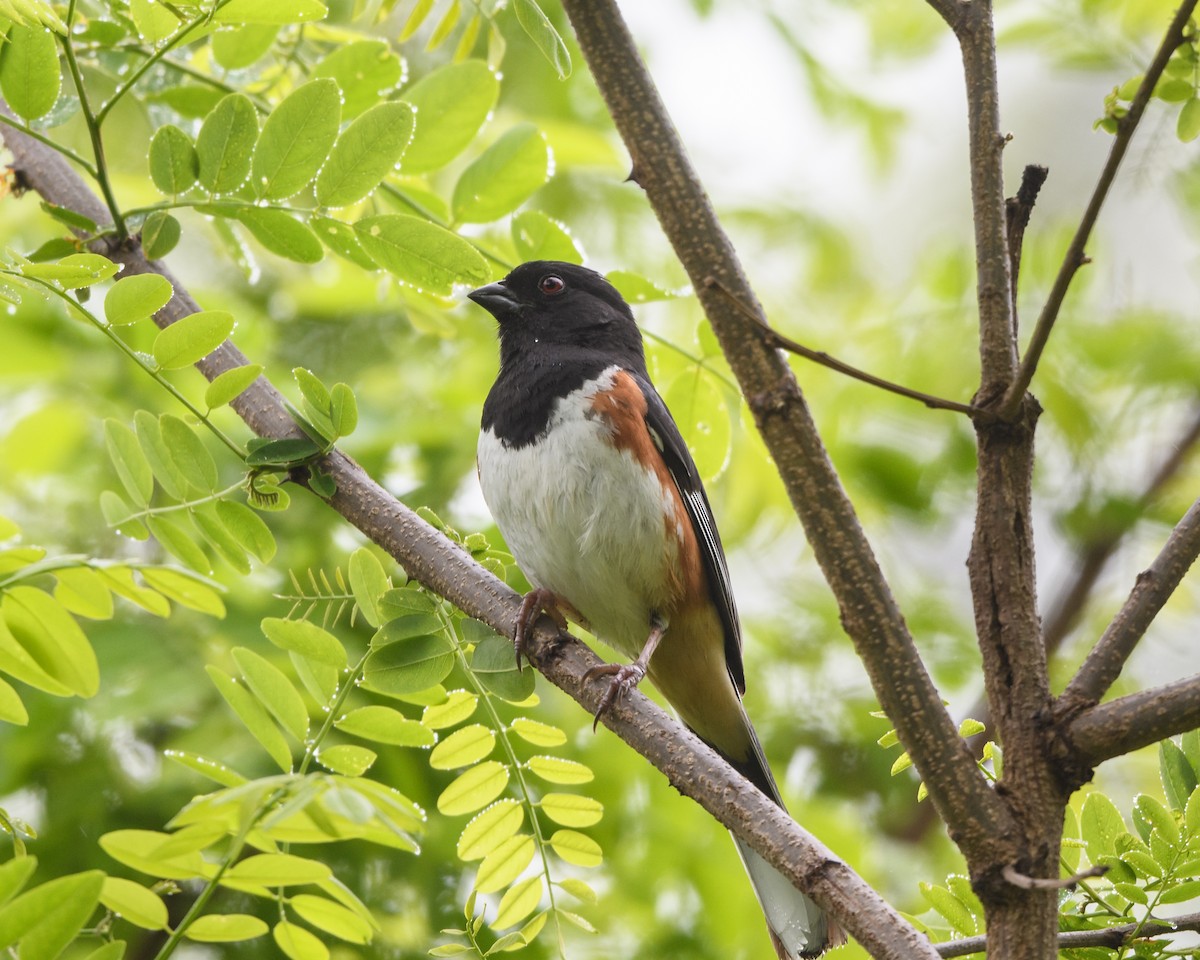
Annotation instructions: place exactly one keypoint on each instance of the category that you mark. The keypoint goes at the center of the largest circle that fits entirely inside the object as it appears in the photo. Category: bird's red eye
(551, 285)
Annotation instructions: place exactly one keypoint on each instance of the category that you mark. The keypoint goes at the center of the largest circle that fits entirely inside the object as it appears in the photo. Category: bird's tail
(798, 927)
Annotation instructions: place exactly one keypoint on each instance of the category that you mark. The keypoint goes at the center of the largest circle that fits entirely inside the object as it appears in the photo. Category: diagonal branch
(977, 819)
(1153, 588)
(1075, 256)
(445, 568)
(1138, 720)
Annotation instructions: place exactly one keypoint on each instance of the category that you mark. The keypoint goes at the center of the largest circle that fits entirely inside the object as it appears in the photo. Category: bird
(594, 490)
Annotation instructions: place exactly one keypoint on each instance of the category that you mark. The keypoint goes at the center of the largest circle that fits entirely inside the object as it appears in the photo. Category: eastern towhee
(594, 490)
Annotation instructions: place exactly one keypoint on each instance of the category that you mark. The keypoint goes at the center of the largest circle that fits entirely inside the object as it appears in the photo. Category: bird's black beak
(496, 299)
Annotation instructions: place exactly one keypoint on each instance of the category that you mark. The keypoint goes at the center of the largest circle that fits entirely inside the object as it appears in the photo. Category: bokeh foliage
(255, 146)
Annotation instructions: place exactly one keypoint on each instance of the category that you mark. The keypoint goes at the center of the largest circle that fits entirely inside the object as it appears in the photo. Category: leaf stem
(310, 749)
(518, 770)
(107, 330)
(87, 165)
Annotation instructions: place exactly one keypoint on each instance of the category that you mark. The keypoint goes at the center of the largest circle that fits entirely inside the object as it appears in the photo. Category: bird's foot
(535, 603)
(625, 677)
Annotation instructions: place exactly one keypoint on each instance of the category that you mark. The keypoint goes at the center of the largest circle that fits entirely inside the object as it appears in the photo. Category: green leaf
(346, 759)
(274, 12)
(50, 636)
(578, 889)
(1188, 125)
(230, 385)
(154, 448)
(560, 770)
(225, 928)
(274, 690)
(132, 467)
(29, 74)
(1100, 824)
(518, 902)
(319, 679)
(173, 537)
(139, 849)
(191, 338)
(213, 769)
(188, 453)
(385, 725)
(112, 950)
(154, 21)
(366, 152)
(572, 810)
(73, 271)
(538, 733)
(278, 870)
(503, 177)
(342, 240)
(214, 533)
(1181, 893)
(463, 748)
(1178, 777)
(174, 163)
(297, 943)
(473, 789)
(225, 144)
(160, 234)
(255, 717)
(421, 253)
(186, 589)
(368, 581)
(306, 639)
(14, 875)
(541, 31)
(282, 234)
(248, 529)
(243, 46)
(1149, 810)
(365, 70)
(47, 918)
(343, 410)
(496, 668)
(332, 917)
(702, 413)
(637, 289)
(136, 298)
(452, 104)
(12, 710)
(537, 237)
(489, 828)
(504, 864)
(409, 666)
(141, 907)
(296, 139)
(459, 706)
(415, 18)
(287, 452)
(577, 848)
(950, 907)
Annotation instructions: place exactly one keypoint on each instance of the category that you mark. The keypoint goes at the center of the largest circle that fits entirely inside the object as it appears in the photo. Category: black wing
(683, 469)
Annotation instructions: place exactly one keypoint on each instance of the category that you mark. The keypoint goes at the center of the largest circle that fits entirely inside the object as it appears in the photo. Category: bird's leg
(626, 676)
(536, 602)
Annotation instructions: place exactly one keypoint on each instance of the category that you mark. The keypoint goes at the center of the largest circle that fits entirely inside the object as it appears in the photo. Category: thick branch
(1075, 256)
(1114, 938)
(974, 814)
(449, 571)
(1120, 726)
(1153, 588)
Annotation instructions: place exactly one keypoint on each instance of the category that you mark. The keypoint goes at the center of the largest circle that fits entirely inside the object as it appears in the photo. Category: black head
(546, 304)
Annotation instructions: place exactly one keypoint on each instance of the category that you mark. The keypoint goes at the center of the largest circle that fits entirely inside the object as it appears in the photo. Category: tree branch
(1114, 938)
(1017, 211)
(1153, 588)
(976, 817)
(446, 569)
(1138, 720)
(1075, 256)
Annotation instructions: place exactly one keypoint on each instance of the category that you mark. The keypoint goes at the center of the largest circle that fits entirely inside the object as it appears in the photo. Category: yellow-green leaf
(278, 870)
(538, 733)
(504, 864)
(463, 748)
(331, 917)
(572, 810)
(518, 902)
(560, 770)
(346, 759)
(298, 943)
(577, 848)
(489, 828)
(133, 902)
(473, 789)
(225, 928)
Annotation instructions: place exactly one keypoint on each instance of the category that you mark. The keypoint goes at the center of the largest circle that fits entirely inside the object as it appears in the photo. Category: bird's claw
(534, 603)
(625, 677)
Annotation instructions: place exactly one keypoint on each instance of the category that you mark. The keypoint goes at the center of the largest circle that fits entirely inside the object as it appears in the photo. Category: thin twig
(783, 342)
(1075, 256)
(1017, 211)
(1114, 938)
(1023, 882)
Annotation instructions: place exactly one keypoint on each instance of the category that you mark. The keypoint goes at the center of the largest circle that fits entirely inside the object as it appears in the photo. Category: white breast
(583, 519)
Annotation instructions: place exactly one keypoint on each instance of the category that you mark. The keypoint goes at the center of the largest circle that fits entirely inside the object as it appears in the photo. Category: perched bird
(598, 498)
